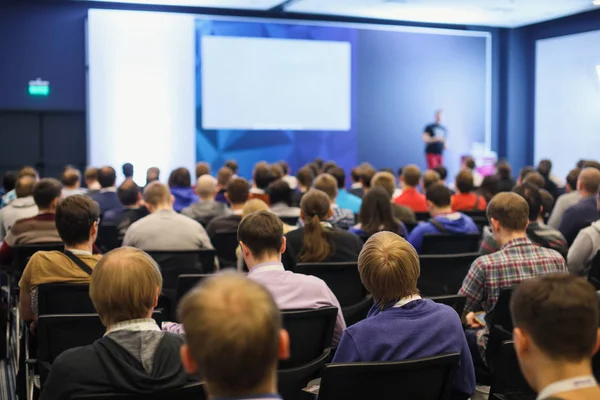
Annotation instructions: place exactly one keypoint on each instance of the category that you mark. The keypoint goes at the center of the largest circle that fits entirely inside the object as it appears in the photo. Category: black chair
(450, 243)
(291, 381)
(187, 282)
(357, 312)
(443, 275)
(456, 301)
(479, 217)
(108, 238)
(594, 273)
(428, 378)
(499, 321)
(190, 392)
(225, 243)
(422, 216)
(23, 252)
(410, 226)
(293, 221)
(507, 379)
(64, 298)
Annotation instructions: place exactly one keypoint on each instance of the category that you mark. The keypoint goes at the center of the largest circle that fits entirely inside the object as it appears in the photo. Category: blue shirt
(577, 217)
(348, 201)
(107, 201)
(454, 222)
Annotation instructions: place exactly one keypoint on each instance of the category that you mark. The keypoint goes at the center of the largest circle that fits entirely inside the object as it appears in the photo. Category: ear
(172, 199)
(55, 202)
(94, 229)
(283, 245)
(330, 214)
(522, 343)
(189, 364)
(429, 204)
(301, 213)
(245, 250)
(284, 345)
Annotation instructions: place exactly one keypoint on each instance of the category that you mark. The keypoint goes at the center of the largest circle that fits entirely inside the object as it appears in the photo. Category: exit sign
(39, 87)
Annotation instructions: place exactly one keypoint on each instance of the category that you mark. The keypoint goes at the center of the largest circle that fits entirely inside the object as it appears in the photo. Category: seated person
(237, 195)
(344, 199)
(356, 186)
(410, 197)
(134, 356)
(71, 180)
(376, 215)
(564, 201)
(443, 219)
(387, 181)
(280, 198)
(216, 315)
(401, 325)
(582, 214)
(430, 177)
(318, 240)
(11, 194)
(180, 184)
(537, 231)
(90, 176)
(164, 229)
(304, 177)
(261, 178)
(223, 177)
(207, 208)
(466, 199)
(489, 187)
(38, 229)
(584, 249)
(152, 174)
(77, 224)
(342, 218)
(506, 182)
(107, 197)
(556, 334)
(23, 206)
(133, 209)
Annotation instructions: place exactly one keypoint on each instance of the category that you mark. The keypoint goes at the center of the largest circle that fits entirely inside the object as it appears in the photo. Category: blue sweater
(418, 329)
(349, 201)
(455, 223)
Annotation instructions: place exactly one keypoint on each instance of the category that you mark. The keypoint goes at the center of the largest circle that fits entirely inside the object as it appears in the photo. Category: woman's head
(376, 212)
(315, 204)
(316, 245)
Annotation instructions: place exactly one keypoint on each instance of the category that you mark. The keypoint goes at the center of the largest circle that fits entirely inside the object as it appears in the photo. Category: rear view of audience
(582, 214)
(133, 209)
(134, 356)
(180, 184)
(584, 248)
(23, 206)
(152, 174)
(469, 163)
(304, 177)
(376, 215)
(71, 180)
(401, 325)
(489, 187)
(410, 197)
(466, 199)
(107, 197)
(208, 208)
(11, 194)
(342, 218)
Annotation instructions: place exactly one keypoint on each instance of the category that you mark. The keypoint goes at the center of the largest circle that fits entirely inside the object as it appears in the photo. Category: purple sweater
(418, 329)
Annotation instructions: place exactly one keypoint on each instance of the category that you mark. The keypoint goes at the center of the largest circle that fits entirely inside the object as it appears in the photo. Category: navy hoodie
(455, 222)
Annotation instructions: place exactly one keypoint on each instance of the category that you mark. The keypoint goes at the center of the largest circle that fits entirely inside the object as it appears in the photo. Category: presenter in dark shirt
(435, 142)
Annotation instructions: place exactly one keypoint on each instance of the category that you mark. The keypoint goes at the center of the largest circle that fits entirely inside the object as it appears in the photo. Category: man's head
(340, 177)
(280, 192)
(430, 177)
(438, 116)
(91, 176)
(503, 169)
(77, 220)
(262, 176)
(71, 178)
(223, 177)
(180, 177)
(533, 197)
(46, 194)
(152, 174)
(254, 205)
(206, 187)
(276, 172)
(572, 178)
(29, 171)
(129, 193)
(234, 336)
(202, 168)
(355, 175)
(464, 181)
(238, 191)
(589, 181)
(534, 178)
(367, 172)
(107, 176)
(469, 162)
(438, 198)
(524, 172)
(157, 196)
(555, 319)
(442, 171)
(128, 170)
(305, 177)
(386, 181)
(508, 214)
(125, 285)
(389, 268)
(285, 168)
(544, 167)
(24, 186)
(327, 183)
(261, 238)
(232, 165)
(411, 174)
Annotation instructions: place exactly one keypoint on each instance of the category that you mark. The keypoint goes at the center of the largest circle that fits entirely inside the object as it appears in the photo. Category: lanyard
(568, 385)
(405, 300)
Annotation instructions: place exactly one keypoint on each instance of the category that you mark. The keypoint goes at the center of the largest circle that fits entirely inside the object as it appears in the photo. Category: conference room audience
(180, 184)
(410, 197)
(77, 224)
(130, 196)
(134, 356)
(356, 187)
(517, 260)
(127, 170)
(304, 176)
(506, 181)
(280, 198)
(261, 178)
(556, 334)
(9, 180)
(469, 163)
(152, 175)
(164, 229)
(344, 199)
(342, 218)
(376, 215)
(237, 195)
(207, 208)
(443, 219)
(40, 228)
(429, 178)
(537, 231)
(11, 195)
(289, 179)
(401, 325)
(582, 214)
(387, 181)
(583, 250)
(23, 206)
(216, 315)
(71, 181)
(489, 187)
(202, 168)
(106, 197)
(566, 200)
(223, 177)
(466, 199)
(318, 240)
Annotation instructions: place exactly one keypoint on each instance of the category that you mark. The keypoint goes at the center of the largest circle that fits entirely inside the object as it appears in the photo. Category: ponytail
(315, 245)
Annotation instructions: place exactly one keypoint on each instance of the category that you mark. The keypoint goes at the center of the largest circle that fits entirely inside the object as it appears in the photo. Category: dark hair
(280, 192)
(224, 175)
(490, 186)
(399, 171)
(328, 166)
(9, 180)
(531, 194)
(318, 162)
(305, 176)
(504, 170)
(560, 313)
(262, 232)
(232, 165)
(75, 216)
(238, 191)
(70, 176)
(592, 164)
(355, 174)
(440, 169)
(28, 170)
(284, 167)
(128, 193)
(547, 202)
(411, 174)
(107, 176)
(525, 171)
(572, 178)
(535, 178)
(367, 173)
(339, 175)
(510, 210)
(314, 168)
(316, 245)
(470, 162)
(376, 213)
(263, 176)
(439, 195)
(464, 181)
(544, 167)
(128, 170)
(46, 191)
(180, 177)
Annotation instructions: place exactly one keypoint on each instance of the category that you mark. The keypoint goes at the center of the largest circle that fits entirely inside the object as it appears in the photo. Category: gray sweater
(21, 208)
(584, 249)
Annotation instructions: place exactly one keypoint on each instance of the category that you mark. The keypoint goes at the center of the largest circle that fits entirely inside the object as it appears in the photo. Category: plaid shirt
(341, 218)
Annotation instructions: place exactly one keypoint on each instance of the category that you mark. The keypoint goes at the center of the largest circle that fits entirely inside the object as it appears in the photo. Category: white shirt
(568, 385)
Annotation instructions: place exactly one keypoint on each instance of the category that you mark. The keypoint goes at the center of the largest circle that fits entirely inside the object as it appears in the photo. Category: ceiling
(499, 13)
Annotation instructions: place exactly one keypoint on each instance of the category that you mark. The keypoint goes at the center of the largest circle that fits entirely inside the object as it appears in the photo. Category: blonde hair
(429, 178)
(232, 330)
(157, 193)
(389, 267)
(328, 184)
(125, 285)
(254, 205)
(384, 180)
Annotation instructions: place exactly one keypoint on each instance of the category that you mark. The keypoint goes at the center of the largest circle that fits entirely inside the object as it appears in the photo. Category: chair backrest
(64, 298)
(443, 274)
(190, 392)
(311, 332)
(342, 278)
(225, 243)
(450, 243)
(410, 226)
(108, 237)
(507, 378)
(500, 315)
(456, 301)
(428, 378)
(187, 282)
(479, 217)
(175, 263)
(293, 221)
(23, 252)
(422, 216)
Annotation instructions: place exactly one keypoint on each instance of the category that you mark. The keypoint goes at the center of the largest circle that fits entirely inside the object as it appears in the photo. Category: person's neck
(269, 386)
(72, 187)
(408, 187)
(235, 206)
(46, 210)
(302, 189)
(440, 211)
(585, 193)
(162, 207)
(508, 236)
(274, 259)
(206, 198)
(132, 206)
(550, 371)
(88, 246)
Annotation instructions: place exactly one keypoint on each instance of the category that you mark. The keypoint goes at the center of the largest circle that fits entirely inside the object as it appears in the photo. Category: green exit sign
(39, 87)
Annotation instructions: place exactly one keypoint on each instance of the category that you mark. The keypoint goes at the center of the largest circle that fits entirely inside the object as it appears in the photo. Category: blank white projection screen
(265, 83)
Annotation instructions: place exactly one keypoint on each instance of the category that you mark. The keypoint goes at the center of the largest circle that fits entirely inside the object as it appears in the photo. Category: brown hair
(28, 171)
(504, 170)
(128, 192)
(224, 176)
(91, 174)
(389, 267)
(262, 175)
(429, 178)
(46, 191)
(367, 172)
(560, 313)
(535, 178)
(510, 210)
(385, 180)
(262, 233)
(202, 168)
(24, 186)
(316, 246)
(305, 176)
(232, 165)
(276, 171)
(376, 213)
(464, 181)
(125, 285)
(572, 178)
(232, 327)
(411, 175)
(107, 176)
(70, 177)
(327, 183)
(180, 177)
(157, 193)
(238, 190)
(75, 216)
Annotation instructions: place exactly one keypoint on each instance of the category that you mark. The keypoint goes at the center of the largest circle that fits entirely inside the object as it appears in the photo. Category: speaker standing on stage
(435, 139)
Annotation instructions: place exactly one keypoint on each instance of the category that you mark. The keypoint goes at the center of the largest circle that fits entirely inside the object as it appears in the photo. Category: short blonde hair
(328, 184)
(389, 267)
(124, 285)
(385, 180)
(254, 205)
(157, 193)
(429, 178)
(232, 327)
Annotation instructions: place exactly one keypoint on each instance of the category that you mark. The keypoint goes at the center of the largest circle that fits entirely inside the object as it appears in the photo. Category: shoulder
(172, 340)
(309, 281)
(78, 361)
